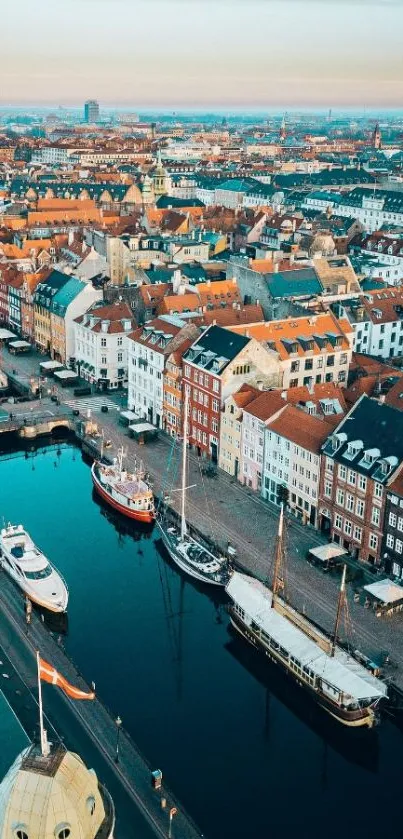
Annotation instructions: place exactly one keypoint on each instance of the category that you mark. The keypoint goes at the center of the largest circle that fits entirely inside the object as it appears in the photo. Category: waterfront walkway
(132, 770)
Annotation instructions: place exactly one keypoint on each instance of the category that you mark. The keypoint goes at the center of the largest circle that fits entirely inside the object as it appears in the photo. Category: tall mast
(44, 739)
(277, 581)
(340, 604)
(184, 455)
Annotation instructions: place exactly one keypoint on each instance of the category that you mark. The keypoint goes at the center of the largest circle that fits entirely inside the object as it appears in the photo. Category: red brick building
(214, 363)
(359, 459)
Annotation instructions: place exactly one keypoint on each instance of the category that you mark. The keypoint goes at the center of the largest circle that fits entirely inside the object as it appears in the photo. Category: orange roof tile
(305, 430)
(276, 332)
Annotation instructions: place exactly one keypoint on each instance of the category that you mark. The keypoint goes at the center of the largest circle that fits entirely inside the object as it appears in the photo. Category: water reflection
(354, 745)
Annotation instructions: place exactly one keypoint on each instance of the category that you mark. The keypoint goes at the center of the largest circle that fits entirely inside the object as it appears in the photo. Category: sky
(203, 53)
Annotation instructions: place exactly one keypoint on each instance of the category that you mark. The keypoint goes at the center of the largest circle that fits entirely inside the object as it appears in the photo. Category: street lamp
(118, 722)
(173, 811)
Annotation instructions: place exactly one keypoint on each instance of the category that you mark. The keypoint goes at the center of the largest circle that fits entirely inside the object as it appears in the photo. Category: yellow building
(230, 456)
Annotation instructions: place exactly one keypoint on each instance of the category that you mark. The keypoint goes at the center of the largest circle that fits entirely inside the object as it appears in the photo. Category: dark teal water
(238, 744)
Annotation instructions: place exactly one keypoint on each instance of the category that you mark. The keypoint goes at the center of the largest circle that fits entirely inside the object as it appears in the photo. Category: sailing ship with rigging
(185, 551)
(127, 492)
(335, 680)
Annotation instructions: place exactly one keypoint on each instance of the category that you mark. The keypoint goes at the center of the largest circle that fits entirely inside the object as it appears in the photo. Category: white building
(372, 208)
(148, 350)
(293, 440)
(101, 342)
(377, 321)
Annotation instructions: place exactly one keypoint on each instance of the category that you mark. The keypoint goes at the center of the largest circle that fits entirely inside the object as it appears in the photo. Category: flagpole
(44, 739)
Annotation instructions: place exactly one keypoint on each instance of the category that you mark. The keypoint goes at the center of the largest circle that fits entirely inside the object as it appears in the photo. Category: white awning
(385, 591)
(329, 551)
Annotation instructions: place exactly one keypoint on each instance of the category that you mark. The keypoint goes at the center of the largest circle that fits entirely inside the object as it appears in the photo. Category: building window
(103, 342)
(338, 521)
(373, 541)
(329, 465)
(351, 477)
(392, 519)
(215, 405)
(378, 490)
(342, 472)
(216, 385)
(120, 357)
(359, 508)
(120, 341)
(390, 541)
(187, 371)
(340, 497)
(357, 534)
(362, 483)
(328, 489)
(214, 425)
(398, 546)
(348, 527)
(375, 516)
(400, 523)
(350, 503)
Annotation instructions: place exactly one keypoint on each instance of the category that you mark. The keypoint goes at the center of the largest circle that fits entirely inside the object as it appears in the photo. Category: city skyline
(201, 54)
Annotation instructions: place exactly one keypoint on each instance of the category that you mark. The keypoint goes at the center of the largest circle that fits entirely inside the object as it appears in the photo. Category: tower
(147, 191)
(283, 130)
(91, 111)
(160, 177)
(377, 137)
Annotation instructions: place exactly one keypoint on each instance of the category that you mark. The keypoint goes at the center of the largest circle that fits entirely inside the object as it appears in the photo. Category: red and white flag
(48, 673)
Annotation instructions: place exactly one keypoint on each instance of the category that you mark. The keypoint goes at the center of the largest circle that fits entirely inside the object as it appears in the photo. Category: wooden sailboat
(189, 554)
(334, 679)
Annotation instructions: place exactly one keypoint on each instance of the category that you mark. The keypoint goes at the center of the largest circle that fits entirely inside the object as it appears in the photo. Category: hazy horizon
(204, 54)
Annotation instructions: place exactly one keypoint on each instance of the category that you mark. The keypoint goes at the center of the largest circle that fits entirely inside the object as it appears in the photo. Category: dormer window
(370, 456)
(353, 447)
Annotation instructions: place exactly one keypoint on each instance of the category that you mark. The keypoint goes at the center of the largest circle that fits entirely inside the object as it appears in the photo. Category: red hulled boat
(128, 493)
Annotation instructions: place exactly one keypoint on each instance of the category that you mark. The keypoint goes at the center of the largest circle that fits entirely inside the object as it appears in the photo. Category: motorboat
(31, 570)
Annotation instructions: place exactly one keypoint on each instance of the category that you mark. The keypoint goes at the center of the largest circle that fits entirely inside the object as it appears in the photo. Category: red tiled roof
(305, 430)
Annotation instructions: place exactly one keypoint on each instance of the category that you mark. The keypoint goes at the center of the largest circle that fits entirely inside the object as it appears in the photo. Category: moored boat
(31, 570)
(188, 553)
(334, 679)
(127, 492)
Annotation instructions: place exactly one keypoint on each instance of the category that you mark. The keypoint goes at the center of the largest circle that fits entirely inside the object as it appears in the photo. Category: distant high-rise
(91, 111)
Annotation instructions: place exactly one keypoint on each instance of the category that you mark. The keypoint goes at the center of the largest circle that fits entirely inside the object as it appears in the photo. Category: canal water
(241, 747)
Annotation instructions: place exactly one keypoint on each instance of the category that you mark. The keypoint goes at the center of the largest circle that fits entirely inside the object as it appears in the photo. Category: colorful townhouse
(360, 459)
(149, 349)
(73, 299)
(215, 366)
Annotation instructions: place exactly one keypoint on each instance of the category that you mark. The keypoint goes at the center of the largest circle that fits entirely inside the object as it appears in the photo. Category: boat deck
(131, 488)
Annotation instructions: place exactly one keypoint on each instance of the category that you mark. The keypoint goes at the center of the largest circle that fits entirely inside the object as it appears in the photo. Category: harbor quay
(143, 785)
(230, 514)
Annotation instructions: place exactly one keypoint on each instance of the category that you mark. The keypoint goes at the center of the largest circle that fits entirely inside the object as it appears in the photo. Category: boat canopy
(342, 672)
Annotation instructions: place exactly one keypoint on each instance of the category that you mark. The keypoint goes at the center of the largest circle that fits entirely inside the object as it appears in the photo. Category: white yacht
(189, 554)
(31, 570)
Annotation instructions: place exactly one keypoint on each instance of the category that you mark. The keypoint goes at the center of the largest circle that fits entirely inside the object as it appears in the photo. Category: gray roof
(215, 349)
(377, 429)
